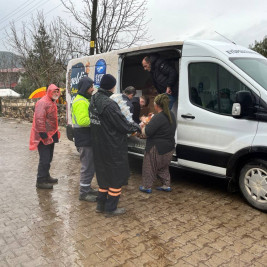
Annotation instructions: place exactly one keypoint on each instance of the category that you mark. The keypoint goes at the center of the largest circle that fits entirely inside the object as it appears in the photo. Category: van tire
(253, 183)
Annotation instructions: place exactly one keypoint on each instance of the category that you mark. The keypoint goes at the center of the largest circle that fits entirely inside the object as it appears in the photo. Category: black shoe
(43, 185)
(116, 212)
(100, 208)
(93, 191)
(51, 180)
(87, 197)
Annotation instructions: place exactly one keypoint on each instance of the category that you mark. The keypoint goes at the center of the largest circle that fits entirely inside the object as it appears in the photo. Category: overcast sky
(238, 20)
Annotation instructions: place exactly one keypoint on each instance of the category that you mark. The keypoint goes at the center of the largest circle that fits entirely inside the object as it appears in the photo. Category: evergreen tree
(41, 66)
(260, 47)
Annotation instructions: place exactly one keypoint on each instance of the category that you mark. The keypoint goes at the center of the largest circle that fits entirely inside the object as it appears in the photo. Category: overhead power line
(26, 13)
(15, 11)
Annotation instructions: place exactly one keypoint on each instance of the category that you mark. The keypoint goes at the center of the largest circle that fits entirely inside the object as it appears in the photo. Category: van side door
(207, 134)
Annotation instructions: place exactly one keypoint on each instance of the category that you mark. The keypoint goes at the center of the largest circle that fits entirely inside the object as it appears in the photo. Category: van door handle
(187, 116)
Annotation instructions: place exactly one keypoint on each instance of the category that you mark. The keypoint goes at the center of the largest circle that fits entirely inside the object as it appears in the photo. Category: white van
(221, 110)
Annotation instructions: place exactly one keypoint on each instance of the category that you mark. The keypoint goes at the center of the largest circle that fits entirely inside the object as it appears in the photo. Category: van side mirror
(243, 106)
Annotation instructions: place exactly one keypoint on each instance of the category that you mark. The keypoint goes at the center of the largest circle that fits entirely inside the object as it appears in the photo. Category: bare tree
(43, 50)
(120, 24)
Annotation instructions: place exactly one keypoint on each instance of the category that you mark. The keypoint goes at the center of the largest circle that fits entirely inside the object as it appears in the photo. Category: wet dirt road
(197, 224)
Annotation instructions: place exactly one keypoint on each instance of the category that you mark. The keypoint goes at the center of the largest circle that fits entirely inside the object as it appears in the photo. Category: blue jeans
(173, 99)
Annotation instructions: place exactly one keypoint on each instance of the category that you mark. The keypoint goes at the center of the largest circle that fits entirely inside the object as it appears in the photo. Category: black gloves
(43, 135)
(55, 137)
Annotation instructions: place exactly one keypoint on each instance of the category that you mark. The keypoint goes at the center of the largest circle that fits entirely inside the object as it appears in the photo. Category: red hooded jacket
(45, 119)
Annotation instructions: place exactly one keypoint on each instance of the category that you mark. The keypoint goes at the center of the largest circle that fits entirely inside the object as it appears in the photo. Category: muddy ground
(197, 224)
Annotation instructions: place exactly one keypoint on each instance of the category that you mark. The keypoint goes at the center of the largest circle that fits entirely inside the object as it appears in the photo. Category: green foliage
(260, 47)
(41, 65)
(25, 87)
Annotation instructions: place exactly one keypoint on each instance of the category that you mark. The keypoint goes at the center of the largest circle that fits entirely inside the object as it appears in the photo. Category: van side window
(212, 87)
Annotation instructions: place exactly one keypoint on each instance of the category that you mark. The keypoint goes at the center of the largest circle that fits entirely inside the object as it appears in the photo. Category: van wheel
(253, 183)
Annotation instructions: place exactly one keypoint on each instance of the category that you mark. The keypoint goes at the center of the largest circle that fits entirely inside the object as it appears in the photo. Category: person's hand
(43, 135)
(142, 125)
(168, 90)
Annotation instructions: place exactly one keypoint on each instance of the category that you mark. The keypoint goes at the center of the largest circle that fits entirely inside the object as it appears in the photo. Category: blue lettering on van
(100, 70)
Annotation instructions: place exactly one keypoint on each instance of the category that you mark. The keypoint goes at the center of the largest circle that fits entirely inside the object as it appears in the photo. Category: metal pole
(93, 28)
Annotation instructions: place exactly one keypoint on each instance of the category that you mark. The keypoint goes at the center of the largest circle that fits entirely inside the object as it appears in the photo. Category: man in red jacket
(44, 134)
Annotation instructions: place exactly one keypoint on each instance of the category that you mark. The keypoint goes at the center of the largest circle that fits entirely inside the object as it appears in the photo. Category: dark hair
(146, 98)
(129, 90)
(162, 101)
(147, 59)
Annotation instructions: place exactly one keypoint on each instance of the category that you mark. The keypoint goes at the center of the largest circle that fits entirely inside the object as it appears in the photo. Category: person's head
(146, 63)
(161, 103)
(53, 92)
(225, 93)
(86, 87)
(144, 101)
(108, 82)
(130, 92)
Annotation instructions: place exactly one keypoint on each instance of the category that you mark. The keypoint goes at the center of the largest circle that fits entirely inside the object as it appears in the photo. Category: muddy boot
(41, 183)
(87, 197)
(100, 208)
(101, 201)
(93, 191)
(51, 180)
(116, 212)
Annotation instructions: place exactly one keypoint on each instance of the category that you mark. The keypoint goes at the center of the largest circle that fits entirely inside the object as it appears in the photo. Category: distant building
(8, 93)
(10, 70)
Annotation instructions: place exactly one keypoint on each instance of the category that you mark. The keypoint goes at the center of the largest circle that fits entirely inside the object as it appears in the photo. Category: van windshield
(256, 68)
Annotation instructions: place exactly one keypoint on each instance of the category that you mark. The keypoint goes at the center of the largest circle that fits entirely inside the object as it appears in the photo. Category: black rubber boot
(51, 180)
(116, 212)
(41, 183)
(111, 203)
(93, 191)
(87, 197)
(100, 208)
(101, 202)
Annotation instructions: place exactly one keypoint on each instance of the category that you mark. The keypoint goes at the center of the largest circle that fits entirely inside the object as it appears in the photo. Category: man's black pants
(45, 157)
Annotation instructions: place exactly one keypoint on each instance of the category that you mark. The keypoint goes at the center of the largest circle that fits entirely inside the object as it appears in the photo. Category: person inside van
(159, 146)
(194, 96)
(164, 76)
(138, 104)
(128, 94)
(226, 103)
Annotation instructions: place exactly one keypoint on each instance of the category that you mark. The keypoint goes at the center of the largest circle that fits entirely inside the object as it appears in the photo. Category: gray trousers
(87, 168)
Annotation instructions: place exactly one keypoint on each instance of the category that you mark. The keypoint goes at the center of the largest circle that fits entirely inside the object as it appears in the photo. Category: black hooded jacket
(163, 75)
(82, 135)
(109, 129)
(136, 109)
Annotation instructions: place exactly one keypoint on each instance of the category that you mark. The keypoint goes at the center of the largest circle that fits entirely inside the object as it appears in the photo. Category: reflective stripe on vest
(76, 125)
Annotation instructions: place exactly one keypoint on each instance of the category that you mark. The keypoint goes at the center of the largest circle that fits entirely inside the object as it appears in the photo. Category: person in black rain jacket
(109, 129)
(164, 76)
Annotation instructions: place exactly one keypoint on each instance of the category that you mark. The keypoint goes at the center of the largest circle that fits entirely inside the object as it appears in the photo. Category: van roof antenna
(226, 38)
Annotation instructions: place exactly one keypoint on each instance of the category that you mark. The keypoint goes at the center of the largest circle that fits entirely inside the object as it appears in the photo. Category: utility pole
(93, 28)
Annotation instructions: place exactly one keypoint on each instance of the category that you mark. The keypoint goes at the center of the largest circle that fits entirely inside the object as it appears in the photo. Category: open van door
(132, 74)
